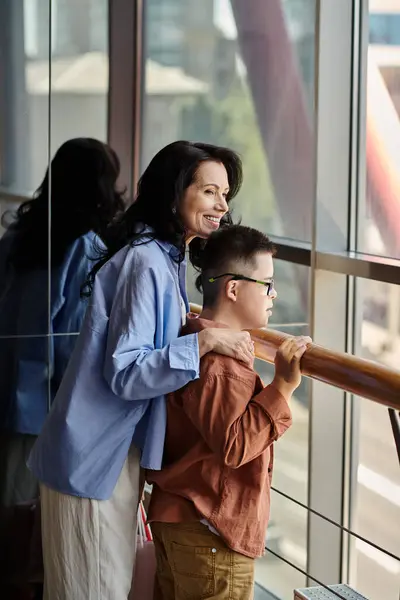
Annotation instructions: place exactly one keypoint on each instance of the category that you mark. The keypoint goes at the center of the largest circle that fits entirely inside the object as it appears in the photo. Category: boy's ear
(231, 290)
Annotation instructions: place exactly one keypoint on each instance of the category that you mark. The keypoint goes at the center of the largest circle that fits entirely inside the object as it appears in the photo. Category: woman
(81, 189)
(110, 409)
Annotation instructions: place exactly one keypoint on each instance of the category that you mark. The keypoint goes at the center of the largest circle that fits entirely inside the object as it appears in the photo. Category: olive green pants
(193, 563)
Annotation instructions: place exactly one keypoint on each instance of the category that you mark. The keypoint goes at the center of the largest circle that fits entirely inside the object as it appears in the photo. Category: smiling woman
(184, 183)
(205, 202)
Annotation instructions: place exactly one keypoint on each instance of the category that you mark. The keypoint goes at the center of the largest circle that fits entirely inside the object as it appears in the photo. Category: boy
(210, 503)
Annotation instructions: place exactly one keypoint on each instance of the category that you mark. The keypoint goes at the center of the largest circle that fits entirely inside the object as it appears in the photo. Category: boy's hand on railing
(287, 364)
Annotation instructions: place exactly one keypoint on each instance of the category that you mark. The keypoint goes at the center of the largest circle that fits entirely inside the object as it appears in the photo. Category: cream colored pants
(89, 546)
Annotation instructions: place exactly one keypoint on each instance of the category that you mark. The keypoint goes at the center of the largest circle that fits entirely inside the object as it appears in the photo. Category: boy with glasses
(210, 503)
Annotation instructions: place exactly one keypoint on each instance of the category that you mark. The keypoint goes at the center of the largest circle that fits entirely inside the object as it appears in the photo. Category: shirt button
(214, 550)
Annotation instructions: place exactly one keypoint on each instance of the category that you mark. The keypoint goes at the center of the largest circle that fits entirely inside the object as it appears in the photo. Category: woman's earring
(174, 210)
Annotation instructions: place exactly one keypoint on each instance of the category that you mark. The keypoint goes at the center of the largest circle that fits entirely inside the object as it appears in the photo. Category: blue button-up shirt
(127, 357)
(29, 357)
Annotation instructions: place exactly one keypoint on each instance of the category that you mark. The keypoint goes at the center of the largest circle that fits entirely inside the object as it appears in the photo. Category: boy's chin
(260, 324)
(266, 320)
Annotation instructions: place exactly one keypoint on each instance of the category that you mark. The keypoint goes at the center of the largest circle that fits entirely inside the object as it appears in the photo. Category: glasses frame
(270, 285)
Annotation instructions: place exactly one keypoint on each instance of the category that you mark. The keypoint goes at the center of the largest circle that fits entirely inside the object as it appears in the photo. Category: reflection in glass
(32, 360)
(24, 385)
(210, 69)
(32, 365)
(24, 293)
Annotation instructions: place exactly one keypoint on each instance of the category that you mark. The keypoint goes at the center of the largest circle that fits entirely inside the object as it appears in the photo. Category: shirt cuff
(274, 404)
(184, 354)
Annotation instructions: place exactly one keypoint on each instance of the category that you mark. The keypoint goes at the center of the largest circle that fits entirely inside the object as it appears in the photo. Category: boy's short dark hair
(226, 249)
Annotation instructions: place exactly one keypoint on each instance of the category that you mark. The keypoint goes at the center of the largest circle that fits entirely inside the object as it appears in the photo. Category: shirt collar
(172, 250)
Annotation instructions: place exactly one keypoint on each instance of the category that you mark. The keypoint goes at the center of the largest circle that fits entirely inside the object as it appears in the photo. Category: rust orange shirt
(218, 451)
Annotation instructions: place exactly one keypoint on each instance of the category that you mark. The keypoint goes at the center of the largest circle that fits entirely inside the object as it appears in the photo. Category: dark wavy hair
(159, 193)
(82, 186)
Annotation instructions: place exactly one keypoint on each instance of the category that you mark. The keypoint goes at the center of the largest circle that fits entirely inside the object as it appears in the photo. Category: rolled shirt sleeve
(135, 368)
(237, 424)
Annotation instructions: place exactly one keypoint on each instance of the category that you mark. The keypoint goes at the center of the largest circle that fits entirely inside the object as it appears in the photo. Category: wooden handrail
(358, 376)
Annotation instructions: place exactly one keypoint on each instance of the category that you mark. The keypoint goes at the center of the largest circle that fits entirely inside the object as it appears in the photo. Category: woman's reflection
(40, 305)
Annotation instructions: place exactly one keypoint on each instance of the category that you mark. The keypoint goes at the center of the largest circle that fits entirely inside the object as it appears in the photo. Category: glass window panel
(79, 97)
(376, 506)
(379, 304)
(287, 531)
(379, 207)
(291, 452)
(376, 489)
(79, 78)
(290, 315)
(286, 537)
(24, 76)
(292, 286)
(24, 64)
(214, 83)
(79, 83)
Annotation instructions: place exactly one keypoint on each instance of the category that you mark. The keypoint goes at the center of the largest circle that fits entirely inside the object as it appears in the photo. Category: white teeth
(214, 219)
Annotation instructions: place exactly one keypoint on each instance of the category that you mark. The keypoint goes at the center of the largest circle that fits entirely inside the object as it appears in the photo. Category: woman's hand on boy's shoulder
(236, 344)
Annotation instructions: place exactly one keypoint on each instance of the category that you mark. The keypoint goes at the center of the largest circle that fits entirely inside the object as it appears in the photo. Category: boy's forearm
(265, 418)
(284, 388)
(235, 424)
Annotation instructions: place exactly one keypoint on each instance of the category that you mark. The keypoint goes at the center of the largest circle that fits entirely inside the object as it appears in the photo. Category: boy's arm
(237, 425)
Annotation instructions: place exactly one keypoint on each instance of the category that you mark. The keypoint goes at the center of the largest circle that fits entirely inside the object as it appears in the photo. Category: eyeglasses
(267, 284)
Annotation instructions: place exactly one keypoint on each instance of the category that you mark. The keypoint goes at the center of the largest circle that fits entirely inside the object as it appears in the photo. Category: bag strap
(140, 528)
(147, 530)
